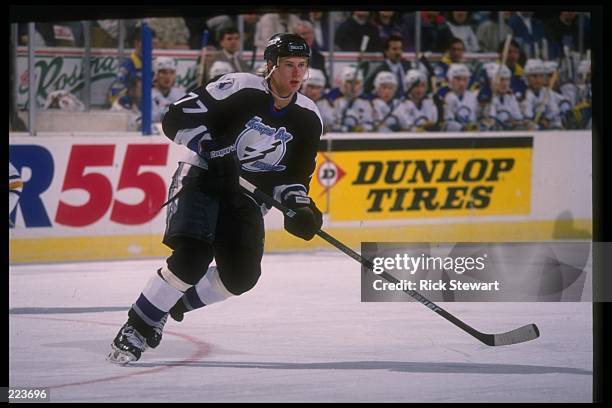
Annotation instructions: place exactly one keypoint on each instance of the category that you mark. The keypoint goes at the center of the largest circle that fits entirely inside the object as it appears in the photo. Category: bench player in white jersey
(460, 103)
(384, 102)
(417, 113)
(244, 125)
(313, 88)
(579, 94)
(551, 74)
(15, 187)
(164, 92)
(353, 110)
(539, 106)
(501, 111)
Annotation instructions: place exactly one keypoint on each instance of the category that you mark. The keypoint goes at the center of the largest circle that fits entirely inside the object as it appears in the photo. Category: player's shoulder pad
(308, 104)
(229, 84)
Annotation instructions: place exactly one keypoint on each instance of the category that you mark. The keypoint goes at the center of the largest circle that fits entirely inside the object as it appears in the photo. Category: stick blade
(520, 335)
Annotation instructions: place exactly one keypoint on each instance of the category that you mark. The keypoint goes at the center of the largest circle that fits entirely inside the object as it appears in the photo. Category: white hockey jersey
(15, 187)
(328, 114)
(383, 121)
(505, 112)
(358, 117)
(160, 102)
(460, 111)
(542, 104)
(411, 117)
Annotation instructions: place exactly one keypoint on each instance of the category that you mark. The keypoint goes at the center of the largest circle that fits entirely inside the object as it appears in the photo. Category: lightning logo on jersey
(261, 147)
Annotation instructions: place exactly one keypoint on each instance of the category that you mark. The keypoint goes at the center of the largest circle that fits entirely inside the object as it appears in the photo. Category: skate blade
(120, 357)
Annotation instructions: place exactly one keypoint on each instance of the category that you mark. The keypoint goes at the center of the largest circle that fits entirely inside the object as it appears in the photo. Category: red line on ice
(202, 350)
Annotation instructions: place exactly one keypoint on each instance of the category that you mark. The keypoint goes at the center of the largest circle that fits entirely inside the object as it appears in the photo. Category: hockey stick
(520, 335)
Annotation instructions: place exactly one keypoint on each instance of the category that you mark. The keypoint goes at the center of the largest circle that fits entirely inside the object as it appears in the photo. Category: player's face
(288, 77)
(351, 86)
(418, 92)
(459, 84)
(386, 91)
(165, 78)
(313, 92)
(503, 85)
(535, 81)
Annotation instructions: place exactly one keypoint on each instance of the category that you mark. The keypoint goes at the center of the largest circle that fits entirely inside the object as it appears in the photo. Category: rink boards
(99, 196)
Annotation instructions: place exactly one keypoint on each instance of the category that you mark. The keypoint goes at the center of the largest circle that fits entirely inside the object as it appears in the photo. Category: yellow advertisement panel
(437, 178)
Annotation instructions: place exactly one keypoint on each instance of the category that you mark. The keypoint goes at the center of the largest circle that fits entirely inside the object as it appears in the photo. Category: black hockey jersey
(277, 148)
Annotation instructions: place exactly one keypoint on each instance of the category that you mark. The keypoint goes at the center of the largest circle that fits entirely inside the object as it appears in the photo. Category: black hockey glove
(223, 164)
(307, 219)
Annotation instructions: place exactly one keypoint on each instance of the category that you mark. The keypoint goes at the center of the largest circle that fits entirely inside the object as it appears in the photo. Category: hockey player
(219, 68)
(131, 102)
(538, 106)
(459, 103)
(579, 95)
(164, 92)
(384, 102)
(15, 187)
(313, 88)
(499, 110)
(417, 112)
(353, 110)
(240, 125)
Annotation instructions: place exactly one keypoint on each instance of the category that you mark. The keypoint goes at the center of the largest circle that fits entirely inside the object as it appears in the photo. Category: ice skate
(127, 346)
(158, 329)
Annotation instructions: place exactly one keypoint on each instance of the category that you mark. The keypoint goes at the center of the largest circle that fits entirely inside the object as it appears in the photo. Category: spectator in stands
(563, 30)
(388, 25)
(527, 31)
(55, 34)
(305, 30)
(459, 25)
(272, 23)
(353, 111)
(460, 104)
(211, 23)
(313, 87)
(417, 113)
(539, 107)
(229, 41)
(129, 68)
(249, 23)
(393, 63)
(350, 33)
(171, 33)
(488, 31)
(384, 102)
(320, 26)
(164, 92)
(435, 34)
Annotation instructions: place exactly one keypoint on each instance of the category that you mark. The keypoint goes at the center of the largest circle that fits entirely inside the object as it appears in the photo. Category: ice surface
(300, 335)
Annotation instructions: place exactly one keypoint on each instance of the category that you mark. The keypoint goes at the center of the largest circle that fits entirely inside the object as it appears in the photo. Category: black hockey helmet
(286, 45)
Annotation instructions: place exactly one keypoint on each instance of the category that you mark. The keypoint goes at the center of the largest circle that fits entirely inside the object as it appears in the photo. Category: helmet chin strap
(267, 85)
